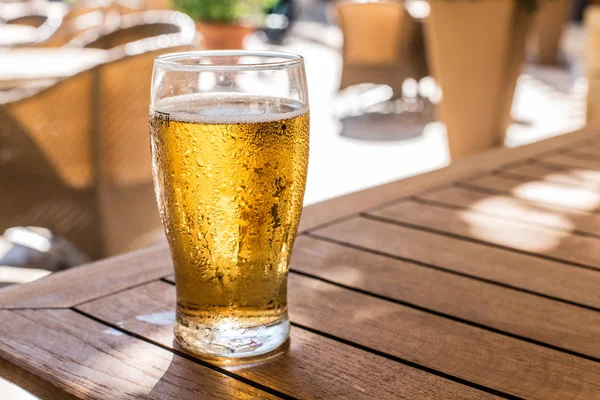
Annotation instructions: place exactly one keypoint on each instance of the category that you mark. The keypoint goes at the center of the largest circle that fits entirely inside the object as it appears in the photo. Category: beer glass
(229, 134)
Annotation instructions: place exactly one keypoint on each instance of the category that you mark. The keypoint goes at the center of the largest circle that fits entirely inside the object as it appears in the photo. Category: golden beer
(230, 173)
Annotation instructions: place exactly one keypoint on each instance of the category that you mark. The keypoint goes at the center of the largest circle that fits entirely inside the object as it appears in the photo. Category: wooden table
(477, 281)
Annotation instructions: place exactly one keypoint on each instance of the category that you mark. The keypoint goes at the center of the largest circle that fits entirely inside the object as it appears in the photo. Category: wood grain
(66, 355)
(573, 176)
(518, 368)
(496, 361)
(327, 211)
(347, 344)
(577, 162)
(548, 193)
(512, 208)
(589, 151)
(348, 205)
(76, 285)
(498, 231)
(541, 276)
(312, 367)
(483, 303)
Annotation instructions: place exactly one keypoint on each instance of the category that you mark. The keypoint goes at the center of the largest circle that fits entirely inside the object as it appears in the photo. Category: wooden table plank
(472, 225)
(496, 361)
(61, 350)
(313, 366)
(91, 281)
(543, 192)
(328, 211)
(512, 208)
(541, 276)
(519, 368)
(471, 300)
(538, 171)
(586, 151)
(414, 311)
(569, 161)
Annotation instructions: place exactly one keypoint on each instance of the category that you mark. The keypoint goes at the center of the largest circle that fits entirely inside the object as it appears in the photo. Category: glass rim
(172, 61)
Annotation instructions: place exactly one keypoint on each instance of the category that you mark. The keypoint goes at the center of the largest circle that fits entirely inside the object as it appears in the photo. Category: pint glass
(230, 134)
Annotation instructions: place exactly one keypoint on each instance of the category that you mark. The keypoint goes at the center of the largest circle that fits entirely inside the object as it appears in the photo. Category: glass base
(230, 340)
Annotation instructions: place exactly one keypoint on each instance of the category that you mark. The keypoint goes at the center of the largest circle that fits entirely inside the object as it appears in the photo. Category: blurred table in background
(25, 66)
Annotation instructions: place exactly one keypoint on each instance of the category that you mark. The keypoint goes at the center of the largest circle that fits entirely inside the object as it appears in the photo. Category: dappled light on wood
(559, 195)
(487, 229)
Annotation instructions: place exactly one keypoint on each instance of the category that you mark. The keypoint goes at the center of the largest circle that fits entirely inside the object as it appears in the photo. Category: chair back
(372, 31)
(124, 89)
(45, 17)
(34, 21)
(383, 44)
(45, 132)
(132, 29)
(89, 134)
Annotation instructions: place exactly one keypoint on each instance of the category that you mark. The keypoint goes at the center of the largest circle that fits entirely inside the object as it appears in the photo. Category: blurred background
(397, 88)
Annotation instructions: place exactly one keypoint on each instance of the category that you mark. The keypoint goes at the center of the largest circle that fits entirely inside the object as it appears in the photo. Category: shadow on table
(182, 380)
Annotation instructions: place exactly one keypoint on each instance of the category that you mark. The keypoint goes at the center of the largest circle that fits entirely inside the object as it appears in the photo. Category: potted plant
(476, 50)
(224, 24)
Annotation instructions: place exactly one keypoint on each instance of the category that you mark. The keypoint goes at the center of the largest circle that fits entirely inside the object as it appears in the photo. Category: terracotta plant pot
(548, 29)
(476, 50)
(223, 36)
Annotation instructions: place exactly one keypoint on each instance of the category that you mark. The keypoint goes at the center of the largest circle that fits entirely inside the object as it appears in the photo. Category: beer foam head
(228, 108)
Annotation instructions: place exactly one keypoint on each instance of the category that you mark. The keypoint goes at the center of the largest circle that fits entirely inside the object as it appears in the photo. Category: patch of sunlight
(417, 8)
(113, 332)
(14, 392)
(509, 206)
(165, 318)
(558, 195)
(33, 237)
(128, 366)
(486, 228)
(88, 20)
(365, 314)
(586, 175)
(346, 274)
(21, 275)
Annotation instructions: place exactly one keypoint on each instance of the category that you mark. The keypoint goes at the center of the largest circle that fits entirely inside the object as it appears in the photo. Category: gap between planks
(443, 269)
(434, 231)
(185, 355)
(385, 355)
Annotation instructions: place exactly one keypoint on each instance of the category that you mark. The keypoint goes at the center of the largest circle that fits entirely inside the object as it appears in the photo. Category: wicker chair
(74, 20)
(34, 21)
(82, 16)
(45, 18)
(383, 44)
(75, 156)
(133, 28)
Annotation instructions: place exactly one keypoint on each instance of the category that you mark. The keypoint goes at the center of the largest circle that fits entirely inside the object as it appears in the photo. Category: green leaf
(224, 11)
